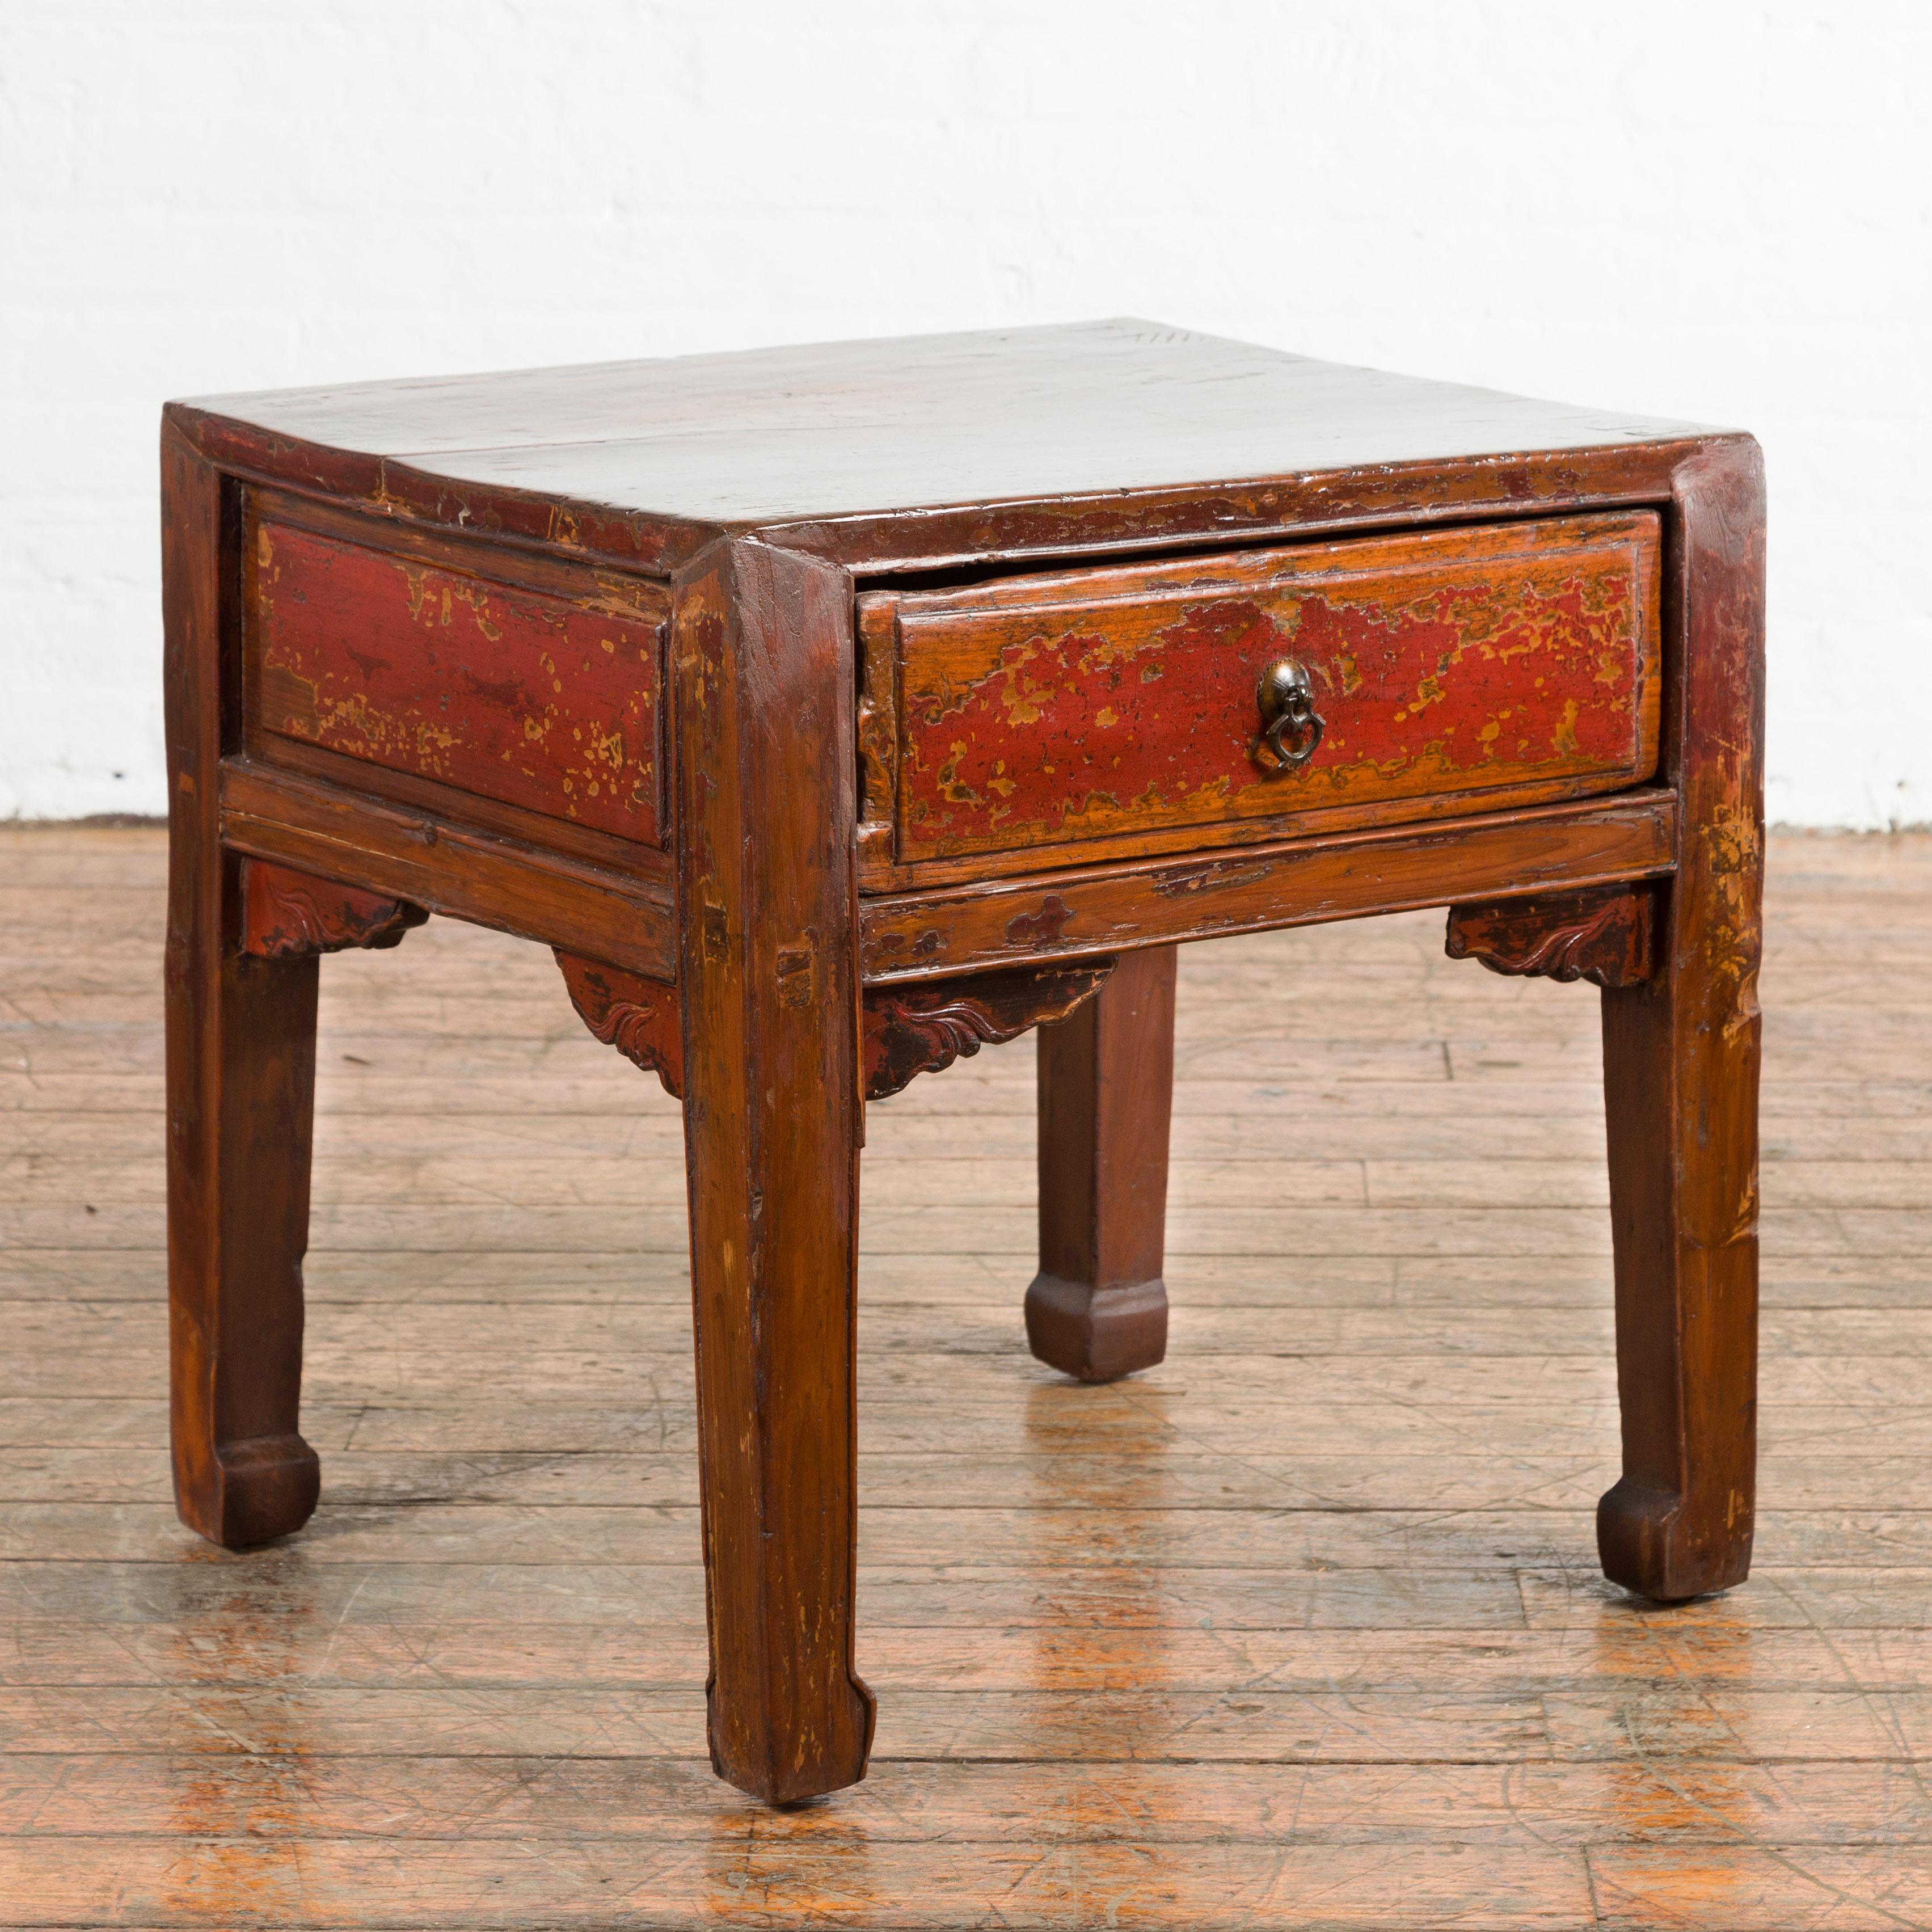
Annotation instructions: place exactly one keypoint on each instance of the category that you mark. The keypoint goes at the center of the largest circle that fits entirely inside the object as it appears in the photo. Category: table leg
(1681, 1083)
(1098, 1307)
(769, 966)
(241, 1080)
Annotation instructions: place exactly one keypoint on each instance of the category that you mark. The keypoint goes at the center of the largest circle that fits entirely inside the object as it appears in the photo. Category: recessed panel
(546, 699)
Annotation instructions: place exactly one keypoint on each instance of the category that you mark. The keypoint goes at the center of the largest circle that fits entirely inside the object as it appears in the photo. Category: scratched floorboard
(1302, 1630)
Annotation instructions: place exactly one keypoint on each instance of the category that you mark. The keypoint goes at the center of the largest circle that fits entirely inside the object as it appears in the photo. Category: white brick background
(1700, 209)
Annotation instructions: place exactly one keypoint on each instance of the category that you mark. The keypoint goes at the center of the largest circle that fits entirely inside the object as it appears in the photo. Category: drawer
(1113, 710)
(541, 694)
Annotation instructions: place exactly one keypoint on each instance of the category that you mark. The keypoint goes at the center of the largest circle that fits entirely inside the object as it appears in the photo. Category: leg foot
(1652, 1542)
(265, 1486)
(1097, 1335)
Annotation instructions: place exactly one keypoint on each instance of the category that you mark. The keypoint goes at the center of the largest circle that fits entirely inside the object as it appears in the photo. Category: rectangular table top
(1012, 417)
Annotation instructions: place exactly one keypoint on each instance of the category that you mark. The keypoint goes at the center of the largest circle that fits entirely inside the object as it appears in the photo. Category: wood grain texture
(1404, 1696)
(310, 825)
(1100, 909)
(769, 981)
(241, 1056)
(1680, 1068)
(1605, 934)
(1100, 706)
(541, 698)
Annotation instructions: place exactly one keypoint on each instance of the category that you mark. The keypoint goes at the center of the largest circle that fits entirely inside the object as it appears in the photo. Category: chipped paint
(1042, 927)
(1212, 876)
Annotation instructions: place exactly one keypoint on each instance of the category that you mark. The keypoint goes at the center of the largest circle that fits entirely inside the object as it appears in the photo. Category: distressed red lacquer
(517, 695)
(1022, 727)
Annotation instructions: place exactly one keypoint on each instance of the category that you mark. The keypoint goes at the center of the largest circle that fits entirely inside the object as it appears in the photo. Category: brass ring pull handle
(1287, 701)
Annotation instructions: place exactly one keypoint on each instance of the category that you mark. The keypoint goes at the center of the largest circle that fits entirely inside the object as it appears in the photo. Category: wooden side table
(831, 711)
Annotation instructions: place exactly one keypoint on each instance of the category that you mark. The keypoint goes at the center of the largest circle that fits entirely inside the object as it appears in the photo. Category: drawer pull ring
(1287, 701)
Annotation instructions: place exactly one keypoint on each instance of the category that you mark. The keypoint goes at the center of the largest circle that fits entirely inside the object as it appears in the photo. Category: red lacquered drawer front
(543, 700)
(1516, 659)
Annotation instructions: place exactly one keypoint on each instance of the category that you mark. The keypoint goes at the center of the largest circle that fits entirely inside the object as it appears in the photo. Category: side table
(831, 711)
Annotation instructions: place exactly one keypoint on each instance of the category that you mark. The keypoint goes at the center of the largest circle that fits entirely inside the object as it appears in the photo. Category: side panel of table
(516, 689)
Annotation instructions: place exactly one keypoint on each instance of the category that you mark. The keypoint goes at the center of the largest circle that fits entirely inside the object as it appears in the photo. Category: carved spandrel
(285, 914)
(919, 1028)
(906, 1030)
(1604, 934)
(639, 1017)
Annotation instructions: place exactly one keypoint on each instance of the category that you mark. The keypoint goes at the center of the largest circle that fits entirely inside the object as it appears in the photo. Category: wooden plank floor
(1302, 1629)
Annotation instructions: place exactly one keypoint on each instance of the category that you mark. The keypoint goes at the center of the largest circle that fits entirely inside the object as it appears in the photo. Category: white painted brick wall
(1702, 208)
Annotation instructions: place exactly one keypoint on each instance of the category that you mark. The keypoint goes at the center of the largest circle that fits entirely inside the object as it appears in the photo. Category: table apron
(486, 879)
(1093, 910)
(1108, 909)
